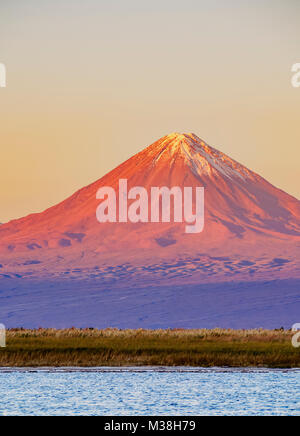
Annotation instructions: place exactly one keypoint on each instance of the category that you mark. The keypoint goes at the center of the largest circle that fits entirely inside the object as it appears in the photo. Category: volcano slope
(62, 267)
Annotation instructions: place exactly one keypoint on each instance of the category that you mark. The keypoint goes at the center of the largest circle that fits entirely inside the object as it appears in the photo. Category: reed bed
(171, 347)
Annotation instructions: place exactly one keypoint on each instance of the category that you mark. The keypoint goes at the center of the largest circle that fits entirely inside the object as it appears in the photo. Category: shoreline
(150, 369)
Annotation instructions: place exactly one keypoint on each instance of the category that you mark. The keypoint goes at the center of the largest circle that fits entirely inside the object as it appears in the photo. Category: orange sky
(90, 85)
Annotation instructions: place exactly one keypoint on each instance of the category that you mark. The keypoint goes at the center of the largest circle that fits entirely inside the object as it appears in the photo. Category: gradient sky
(90, 83)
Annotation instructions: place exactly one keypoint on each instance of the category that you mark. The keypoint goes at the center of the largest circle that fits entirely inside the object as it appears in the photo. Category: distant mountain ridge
(252, 229)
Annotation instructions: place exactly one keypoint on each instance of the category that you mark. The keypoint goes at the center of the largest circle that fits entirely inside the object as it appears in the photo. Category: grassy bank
(112, 347)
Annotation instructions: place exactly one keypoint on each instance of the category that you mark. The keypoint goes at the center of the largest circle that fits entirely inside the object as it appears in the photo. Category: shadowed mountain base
(90, 303)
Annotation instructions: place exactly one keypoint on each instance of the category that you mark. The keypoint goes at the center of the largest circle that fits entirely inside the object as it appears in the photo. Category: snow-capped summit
(62, 267)
(199, 155)
(246, 220)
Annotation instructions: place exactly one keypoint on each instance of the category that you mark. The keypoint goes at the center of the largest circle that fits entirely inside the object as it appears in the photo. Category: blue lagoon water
(149, 391)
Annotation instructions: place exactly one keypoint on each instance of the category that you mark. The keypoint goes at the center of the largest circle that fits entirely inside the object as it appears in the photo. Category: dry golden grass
(113, 347)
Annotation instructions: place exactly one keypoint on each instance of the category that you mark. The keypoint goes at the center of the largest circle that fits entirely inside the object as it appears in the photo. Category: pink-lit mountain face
(252, 229)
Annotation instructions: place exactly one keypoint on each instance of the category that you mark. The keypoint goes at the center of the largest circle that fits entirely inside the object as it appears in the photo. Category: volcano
(251, 234)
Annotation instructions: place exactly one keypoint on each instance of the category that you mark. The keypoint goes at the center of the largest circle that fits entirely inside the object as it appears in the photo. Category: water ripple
(149, 391)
